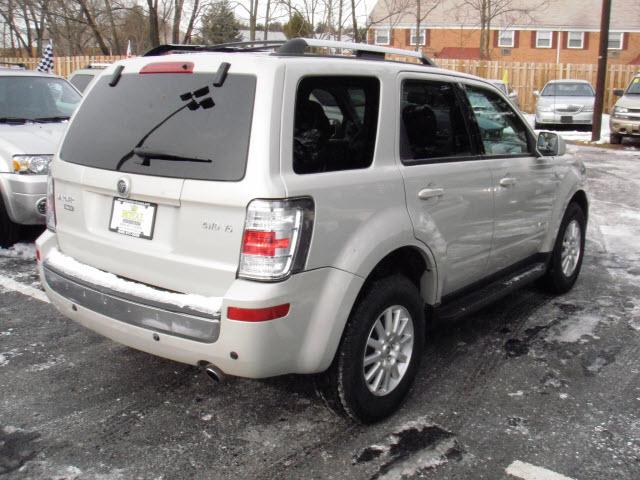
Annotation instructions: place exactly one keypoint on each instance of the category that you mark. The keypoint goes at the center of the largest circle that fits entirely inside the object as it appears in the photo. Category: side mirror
(536, 93)
(551, 144)
(618, 92)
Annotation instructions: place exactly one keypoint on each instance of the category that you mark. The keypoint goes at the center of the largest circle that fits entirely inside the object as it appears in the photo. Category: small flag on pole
(129, 54)
(46, 62)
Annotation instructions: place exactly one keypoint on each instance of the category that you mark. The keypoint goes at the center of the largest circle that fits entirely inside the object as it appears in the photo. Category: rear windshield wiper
(148, 155)
(60, 118)
(14, 120)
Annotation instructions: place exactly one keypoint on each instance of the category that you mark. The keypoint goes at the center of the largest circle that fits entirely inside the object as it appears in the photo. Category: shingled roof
(555, 15)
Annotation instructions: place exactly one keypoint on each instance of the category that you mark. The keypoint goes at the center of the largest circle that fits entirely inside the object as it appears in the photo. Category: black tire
(9, 231)
(343, 386)
(555, 280)
(615, 139)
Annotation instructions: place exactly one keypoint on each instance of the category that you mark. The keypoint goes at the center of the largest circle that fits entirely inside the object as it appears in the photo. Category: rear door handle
(507, 182)
(427, 193)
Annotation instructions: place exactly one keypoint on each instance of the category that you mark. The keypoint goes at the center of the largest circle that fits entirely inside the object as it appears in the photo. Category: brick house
(563, 31)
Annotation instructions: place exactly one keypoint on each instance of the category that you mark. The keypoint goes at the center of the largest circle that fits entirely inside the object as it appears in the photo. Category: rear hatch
(150, 183)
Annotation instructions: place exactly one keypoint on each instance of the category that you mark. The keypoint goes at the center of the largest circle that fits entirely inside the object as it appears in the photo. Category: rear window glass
(169, 125)
(335, 125)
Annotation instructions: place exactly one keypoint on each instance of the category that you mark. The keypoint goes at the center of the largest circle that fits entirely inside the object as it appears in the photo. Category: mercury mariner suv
(259, 210)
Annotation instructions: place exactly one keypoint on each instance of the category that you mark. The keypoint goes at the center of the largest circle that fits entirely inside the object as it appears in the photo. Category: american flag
(46, 62)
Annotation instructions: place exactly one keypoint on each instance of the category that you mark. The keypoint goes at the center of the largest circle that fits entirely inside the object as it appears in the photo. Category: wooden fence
(65, 65)
(525, 77)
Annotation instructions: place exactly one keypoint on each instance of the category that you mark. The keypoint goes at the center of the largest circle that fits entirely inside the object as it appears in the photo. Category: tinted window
(335, 123)
(81, 80)
(568, 90)
(432, 123)
(501, 130)
(173, 114)
(36, 97)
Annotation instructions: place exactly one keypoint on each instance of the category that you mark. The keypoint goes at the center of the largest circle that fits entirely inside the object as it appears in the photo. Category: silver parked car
(261, 215)
(504, 88)
(565, 102)
(34, 109)
(83, 77)
(625, 117)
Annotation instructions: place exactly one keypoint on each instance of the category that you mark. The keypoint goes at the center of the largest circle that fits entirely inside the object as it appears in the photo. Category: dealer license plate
(133, 218)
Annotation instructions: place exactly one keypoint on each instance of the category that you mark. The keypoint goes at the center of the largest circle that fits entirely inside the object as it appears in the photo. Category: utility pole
(602, 70)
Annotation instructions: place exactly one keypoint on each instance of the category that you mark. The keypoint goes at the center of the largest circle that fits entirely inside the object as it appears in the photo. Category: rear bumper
(555, 118)
(304, 341)
(621, 126)
(24, 197)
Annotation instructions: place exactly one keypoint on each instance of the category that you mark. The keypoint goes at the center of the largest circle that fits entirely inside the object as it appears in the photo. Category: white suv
(263, 213)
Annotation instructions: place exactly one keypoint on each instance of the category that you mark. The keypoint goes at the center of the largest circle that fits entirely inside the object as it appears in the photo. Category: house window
(575, 40)
(615, 40)
(506, 39)
(418, 40)
(544, 39)
(383, 36)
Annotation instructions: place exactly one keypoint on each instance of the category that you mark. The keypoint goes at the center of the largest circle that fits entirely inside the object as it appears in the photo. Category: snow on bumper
(304, 341)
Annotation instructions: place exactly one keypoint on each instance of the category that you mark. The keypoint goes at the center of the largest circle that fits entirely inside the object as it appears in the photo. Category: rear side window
(180, 125)
(432, 125)
(335, 124)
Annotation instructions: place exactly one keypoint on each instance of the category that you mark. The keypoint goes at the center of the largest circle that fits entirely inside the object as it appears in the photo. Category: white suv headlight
(31, 164)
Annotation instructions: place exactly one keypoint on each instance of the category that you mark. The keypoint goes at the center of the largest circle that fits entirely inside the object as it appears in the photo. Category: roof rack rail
(297, 46)
(294, 47)
(14, 64)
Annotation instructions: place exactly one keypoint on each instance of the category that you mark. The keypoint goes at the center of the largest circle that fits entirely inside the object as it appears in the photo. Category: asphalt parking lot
(553, 382)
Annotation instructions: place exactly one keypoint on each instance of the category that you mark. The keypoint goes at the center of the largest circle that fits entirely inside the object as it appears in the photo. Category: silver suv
(34, 109)
(263, 212)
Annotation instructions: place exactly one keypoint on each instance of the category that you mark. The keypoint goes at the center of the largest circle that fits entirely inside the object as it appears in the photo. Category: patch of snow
(575, 329)
(3, 360)
(91, 275)
(578, 136)
(39, 367)
(425, 460)
(563, 396)
(206, 417)
(20, 250)
(526, 471)
(519, 393)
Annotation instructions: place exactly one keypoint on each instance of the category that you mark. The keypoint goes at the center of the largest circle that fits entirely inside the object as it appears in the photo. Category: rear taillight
(51, 205)
(276, 238)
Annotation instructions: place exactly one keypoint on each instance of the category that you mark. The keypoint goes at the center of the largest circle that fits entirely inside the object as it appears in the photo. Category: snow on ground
(20, 250)
(578, 136)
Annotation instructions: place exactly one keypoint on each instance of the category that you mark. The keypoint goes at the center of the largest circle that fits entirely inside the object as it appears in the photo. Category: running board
(482, 297)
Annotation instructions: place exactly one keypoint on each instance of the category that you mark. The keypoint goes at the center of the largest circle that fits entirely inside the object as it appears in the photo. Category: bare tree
(490, 11)
(422, 10)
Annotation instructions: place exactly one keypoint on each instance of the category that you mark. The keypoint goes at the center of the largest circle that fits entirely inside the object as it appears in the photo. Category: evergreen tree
(297, 26)
(219, 24)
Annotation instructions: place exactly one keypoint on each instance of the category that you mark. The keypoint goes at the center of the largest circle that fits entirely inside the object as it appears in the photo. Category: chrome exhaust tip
(215, 374)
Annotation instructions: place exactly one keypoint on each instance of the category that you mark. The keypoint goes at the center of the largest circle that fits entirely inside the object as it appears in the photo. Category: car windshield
(33, 98)
(81, 80)
(634, 88)
(568, 90)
